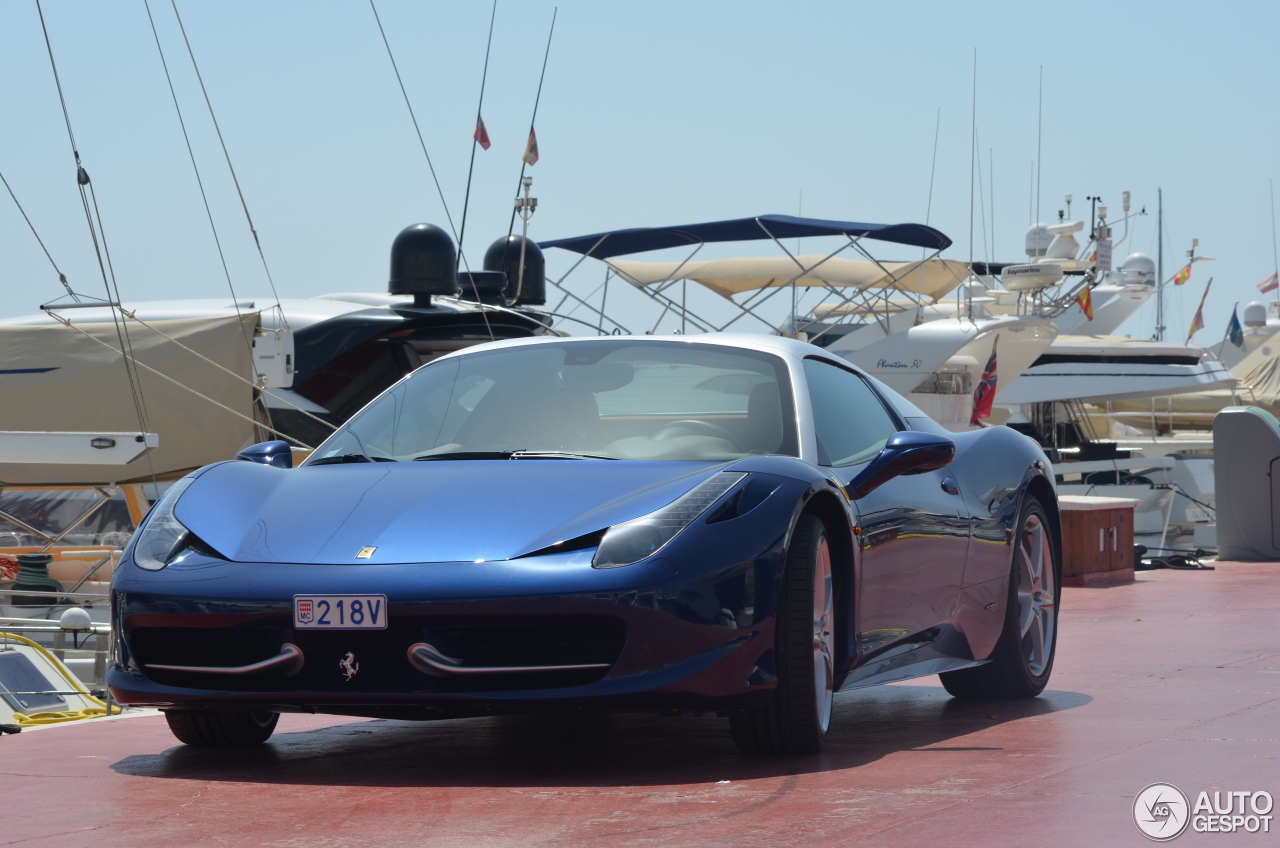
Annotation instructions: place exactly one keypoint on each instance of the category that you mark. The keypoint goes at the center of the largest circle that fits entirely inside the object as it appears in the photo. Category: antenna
(1039, 126)
(1159, 264)
(1031, 192)
(973, 161)
(1276, 266)
(933, 168)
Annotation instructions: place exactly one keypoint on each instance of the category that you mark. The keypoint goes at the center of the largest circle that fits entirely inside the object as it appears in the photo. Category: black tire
(796, 721)
(221, 729)
(1018, 670)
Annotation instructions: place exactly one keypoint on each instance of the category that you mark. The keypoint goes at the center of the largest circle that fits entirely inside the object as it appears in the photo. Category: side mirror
(907, 452)
(277, 454)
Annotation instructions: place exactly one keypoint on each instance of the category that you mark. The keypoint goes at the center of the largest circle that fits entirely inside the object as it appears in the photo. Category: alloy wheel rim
(1036, 599)
(823, 664)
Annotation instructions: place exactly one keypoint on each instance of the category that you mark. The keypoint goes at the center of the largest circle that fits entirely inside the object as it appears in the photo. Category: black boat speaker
(504, 255)
(423, 262)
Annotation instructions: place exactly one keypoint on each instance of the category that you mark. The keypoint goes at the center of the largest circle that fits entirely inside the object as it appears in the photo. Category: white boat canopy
(926, 279)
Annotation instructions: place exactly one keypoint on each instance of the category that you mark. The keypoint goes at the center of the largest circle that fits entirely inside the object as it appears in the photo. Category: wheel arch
(1039, 487)
(836, 521)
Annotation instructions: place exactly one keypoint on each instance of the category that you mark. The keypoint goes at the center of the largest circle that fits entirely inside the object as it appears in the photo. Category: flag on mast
(1183, 275)
(531, 149)
(1269, 284)
(984, 396)
(481, 134)
(1085, 299)
(1197, 323)
(1235, 333)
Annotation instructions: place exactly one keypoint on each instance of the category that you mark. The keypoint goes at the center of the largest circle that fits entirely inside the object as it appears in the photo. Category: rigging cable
(484, 76)
(462, 257)
(227, 155)
(240, 377)
(235, 303)
(511, 228)
(66, 322)
(62, 278)
(82, 179)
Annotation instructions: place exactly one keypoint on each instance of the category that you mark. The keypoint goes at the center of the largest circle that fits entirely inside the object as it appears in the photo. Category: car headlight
(643, 537)
(162, 537)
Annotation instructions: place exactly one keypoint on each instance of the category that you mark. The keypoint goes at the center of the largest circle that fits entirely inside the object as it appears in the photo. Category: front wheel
(797, 720)
(221, 729)
(1023, 657)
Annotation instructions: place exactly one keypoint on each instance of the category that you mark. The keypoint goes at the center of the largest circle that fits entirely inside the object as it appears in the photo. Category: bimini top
(640, 239)
(929, 279)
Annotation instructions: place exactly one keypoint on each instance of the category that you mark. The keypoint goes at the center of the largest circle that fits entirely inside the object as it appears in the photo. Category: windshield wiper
(465, 455)
(554, 454)
(349, 457)
(511, 454)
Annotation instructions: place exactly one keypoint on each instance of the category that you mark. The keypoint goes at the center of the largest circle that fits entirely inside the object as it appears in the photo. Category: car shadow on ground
(590, 749)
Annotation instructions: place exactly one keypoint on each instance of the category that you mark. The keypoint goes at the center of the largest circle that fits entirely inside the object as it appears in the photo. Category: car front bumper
(647, 635)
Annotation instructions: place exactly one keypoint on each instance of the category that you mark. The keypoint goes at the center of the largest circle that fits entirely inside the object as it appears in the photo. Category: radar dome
(1138, 268)
(504, 255)
(1038, 240)
(1255, 315)
(423, 262)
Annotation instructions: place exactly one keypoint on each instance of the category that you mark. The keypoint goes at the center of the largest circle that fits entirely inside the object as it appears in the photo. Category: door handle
(949, 486)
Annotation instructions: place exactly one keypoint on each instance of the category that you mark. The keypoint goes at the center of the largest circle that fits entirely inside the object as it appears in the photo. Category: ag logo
(306, 611)
(1161, 811)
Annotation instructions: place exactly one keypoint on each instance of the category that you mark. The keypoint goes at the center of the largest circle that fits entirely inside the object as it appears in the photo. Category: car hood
(442, 511)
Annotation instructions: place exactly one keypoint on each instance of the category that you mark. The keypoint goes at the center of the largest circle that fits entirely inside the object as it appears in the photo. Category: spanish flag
(1197, 323)
(531, 149)
(1085, 299)
(1183, 275)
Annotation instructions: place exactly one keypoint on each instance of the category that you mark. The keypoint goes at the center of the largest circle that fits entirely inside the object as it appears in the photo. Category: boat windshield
(599, 399)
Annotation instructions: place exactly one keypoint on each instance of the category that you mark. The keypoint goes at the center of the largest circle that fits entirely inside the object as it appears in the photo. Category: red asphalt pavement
(1174, 678)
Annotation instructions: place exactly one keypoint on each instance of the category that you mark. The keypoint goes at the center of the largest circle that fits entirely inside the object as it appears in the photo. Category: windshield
(616, 399)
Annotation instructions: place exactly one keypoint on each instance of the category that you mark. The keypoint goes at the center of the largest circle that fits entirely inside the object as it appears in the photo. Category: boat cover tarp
(641, 239)
(53, 379)
(1263, 379)
(727, 277)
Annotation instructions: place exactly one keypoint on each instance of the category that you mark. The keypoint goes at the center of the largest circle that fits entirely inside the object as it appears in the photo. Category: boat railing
(94, 640)
(51, 593)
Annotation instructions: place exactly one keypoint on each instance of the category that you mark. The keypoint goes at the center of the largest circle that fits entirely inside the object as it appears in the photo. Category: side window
(852, 424)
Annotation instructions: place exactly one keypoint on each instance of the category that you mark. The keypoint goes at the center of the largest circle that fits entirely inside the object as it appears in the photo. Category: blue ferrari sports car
(740, 524)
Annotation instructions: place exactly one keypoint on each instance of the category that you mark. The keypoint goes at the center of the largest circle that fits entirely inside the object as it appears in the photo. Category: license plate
(340, 612)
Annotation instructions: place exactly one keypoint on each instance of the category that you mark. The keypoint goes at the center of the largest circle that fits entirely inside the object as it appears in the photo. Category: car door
(914, 529)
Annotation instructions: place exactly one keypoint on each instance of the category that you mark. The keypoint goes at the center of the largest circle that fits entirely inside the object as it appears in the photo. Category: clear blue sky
(653, 113)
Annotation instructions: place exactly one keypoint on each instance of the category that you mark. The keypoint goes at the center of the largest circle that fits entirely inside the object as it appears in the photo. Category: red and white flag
(481, 134)
(1269, 284)
(984, 396)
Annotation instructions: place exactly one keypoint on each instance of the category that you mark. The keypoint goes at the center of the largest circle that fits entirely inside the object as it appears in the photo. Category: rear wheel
(797, 720)
(221, 729)
(1023, 657)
